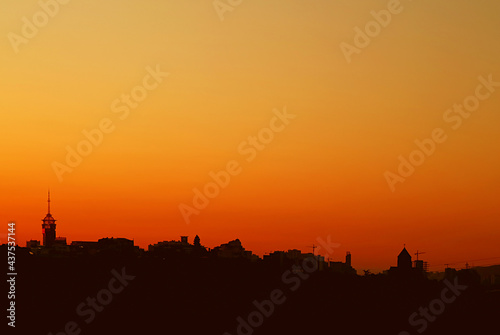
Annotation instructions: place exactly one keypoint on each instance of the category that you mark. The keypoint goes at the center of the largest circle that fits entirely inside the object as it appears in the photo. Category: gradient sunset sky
(323, 175)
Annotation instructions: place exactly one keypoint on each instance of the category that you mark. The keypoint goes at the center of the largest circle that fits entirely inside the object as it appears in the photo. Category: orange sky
(323, 175)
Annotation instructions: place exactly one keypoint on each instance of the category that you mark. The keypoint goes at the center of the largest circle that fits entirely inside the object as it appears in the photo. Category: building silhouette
(408, 269)
(293, 257)
(233, 250)
(49, 227)
(180, 247)
(404, 260)
(339, 267)
(104, 246)
(422, 265)
(33, 244)
(50, 242)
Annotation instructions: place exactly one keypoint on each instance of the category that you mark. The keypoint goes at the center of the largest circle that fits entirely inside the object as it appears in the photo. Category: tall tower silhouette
(348, 258)
(49, 227)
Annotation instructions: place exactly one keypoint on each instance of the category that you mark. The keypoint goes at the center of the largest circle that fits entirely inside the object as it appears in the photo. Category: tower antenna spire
(48, 202)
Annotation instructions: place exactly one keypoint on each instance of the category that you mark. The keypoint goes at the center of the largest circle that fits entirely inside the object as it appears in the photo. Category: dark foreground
(115, 295)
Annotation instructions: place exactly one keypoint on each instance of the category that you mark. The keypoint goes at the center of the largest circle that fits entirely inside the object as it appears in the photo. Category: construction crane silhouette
(493, 261)
(419, 253)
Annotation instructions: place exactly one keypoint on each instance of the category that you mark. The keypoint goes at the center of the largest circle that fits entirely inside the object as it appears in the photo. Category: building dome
(49, 218)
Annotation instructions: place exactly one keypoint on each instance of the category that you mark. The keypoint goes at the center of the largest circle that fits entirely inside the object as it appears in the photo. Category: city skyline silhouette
(238, 167)
(404, 260)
